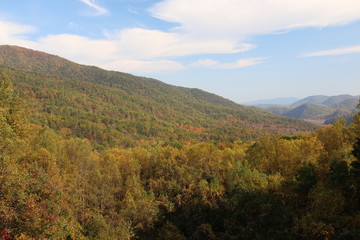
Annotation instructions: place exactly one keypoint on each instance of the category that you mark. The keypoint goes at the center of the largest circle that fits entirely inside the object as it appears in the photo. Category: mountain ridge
(324, 109)
(273, 101)
(114, 108)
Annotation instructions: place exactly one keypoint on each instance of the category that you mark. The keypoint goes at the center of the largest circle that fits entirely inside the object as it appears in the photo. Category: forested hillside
(98, 155)
(54, 186)
(119, 109)
(323, 109)
(309, 111)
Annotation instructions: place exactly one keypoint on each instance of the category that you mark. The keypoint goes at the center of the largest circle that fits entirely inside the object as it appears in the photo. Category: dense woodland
(114, 109)
(54, 186)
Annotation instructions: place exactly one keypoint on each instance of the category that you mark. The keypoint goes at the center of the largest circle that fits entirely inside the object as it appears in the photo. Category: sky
(240, 49)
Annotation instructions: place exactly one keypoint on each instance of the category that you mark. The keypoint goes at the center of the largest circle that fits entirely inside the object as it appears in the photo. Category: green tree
(13, 120)
(306, 177)
(12, 148)
(340, 175)
(31, 188)
(355, 170)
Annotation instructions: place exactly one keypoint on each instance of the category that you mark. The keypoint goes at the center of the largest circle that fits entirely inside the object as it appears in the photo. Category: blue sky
(239, 49)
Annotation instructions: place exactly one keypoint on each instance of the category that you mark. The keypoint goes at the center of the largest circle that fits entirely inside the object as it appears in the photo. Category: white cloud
(143, 66)
(204, 27)
(243, 18)
(238, 64)
(13, 29)
(98, 10)
(14, 34)
(109, 53)
(333, 52)
(146, 44)
(133, 10)
(242, 63)
(78, 48)
(205, 63)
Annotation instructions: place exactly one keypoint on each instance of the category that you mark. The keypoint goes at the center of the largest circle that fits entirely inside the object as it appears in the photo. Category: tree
(13, 120)
(12, 148)
(340, 175)
(355, 171)
(31, 188)
(306, 178)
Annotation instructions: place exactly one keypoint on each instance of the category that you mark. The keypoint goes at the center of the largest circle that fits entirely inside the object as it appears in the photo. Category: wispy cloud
(238, 64)
(98, 9)
(205, 63)
(15, 34)
(243, 18)
(242, 63)
(133, 10)
(231, 25)
(111, 52)
(134, 42)
(140, 66)
(333, 52)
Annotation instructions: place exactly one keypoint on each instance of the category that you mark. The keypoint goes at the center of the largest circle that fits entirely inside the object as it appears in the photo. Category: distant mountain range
(319, 108)
(274, 101)
(117, 109)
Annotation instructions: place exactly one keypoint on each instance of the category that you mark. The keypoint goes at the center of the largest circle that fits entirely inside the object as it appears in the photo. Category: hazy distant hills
(274, 101)
(113, 108)
(308, 111)
(321, 108)
(318, 99)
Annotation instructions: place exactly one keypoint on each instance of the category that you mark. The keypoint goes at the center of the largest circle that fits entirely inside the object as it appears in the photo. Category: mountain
(119, 109)
(317, 99)
(337, 99)
(347, 104)
(323, 109)
(274, 101)
(276, 109)
(309, 111)
(339, 115)
(328, 100)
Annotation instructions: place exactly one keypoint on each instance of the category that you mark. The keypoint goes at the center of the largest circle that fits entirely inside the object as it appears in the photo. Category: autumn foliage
(54, 186)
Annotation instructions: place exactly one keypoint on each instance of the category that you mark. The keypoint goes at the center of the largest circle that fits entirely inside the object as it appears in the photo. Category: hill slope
(112, 108)
(317, 99)
(323, 109)
(337, 99)
(309, 111)
(274, 101)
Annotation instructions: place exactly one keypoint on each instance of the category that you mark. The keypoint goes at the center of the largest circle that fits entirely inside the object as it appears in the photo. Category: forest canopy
(114, 109)
(278, 187)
